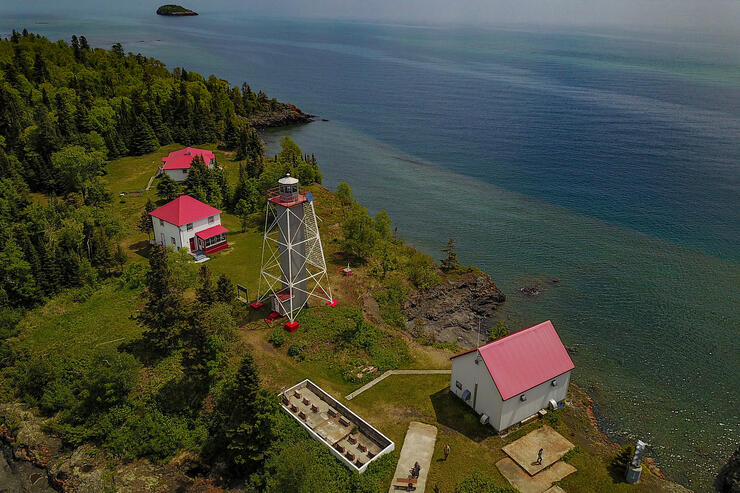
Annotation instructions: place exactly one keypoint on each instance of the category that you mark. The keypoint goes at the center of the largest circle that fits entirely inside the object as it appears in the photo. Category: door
(192, 244)
(475, 396)
(162, 238)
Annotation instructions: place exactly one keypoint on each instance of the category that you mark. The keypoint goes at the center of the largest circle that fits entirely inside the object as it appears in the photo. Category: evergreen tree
(120, 257)
(450, 262)
(144, 139)
(75, 47)
(225, 290)
(165, 311)
(243, 212)
(206, 292)
(245, 420)
(145, 220)
(167, 188)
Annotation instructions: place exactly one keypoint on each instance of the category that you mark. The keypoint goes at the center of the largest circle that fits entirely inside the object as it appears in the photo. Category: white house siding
(501, 414)
(177, 174)
(514, 410)
(182, 174)
(487, 399)
(164, 232)
(182, 235)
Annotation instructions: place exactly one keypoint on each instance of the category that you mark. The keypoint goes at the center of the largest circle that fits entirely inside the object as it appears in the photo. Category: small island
(174, 10)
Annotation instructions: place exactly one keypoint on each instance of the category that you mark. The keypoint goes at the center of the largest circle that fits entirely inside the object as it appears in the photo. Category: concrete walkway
(149, 185)
(418, 446)
(388, 373)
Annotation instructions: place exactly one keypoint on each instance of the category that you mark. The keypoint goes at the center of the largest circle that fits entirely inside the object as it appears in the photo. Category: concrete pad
(540, 483)
(524, 451)
(418, 446)
(555, 489)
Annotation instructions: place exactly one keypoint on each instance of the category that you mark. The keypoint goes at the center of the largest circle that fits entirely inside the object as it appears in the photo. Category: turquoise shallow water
(608, 161)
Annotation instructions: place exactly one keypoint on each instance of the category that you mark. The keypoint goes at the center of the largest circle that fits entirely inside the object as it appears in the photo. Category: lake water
(608, 160)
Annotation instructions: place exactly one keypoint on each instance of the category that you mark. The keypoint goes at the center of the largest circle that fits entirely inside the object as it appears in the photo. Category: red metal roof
(211, 232)
(524, 359)
(184, 209)
(181, 159)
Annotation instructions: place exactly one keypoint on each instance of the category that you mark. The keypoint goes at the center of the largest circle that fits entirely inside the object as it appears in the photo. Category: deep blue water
(609, 160)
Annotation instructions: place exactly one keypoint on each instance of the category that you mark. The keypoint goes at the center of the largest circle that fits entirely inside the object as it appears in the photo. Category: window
(190, 226)
(458, 384)
(210, 219)
(161, 223)
(184, 172)
(554, 383)
(523, 398)
(172, 239)
(216, 239)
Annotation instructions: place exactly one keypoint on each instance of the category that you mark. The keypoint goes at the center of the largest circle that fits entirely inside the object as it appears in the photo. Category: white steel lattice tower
(293, 270)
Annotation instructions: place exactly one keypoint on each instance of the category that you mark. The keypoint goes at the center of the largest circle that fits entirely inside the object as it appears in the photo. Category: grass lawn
(66, 327)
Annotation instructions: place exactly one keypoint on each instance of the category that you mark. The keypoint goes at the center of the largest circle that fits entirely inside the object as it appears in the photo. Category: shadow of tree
(454, 414)
(141, 248)
(182, 395)
(143, 350)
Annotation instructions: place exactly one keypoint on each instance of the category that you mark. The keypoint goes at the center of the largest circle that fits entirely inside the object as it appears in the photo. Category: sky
(713, 14)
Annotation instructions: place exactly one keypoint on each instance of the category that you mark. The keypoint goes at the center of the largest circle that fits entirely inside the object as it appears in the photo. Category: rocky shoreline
(285, 114)
(454, 310)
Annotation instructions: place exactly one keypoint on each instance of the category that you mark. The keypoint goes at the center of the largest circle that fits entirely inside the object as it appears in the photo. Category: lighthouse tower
(293, 270)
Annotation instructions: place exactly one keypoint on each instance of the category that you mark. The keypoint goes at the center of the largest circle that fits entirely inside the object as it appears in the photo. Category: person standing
(447, 451)
(539, 457)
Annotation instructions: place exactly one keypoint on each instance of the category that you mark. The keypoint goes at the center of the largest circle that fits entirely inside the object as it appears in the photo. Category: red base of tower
(332, 303)
(256, 305)
(292, 326)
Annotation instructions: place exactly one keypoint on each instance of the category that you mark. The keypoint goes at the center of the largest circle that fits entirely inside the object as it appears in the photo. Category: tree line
(65, 110)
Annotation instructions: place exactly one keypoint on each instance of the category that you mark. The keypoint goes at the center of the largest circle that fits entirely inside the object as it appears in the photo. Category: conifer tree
(167, 188)
(245, 420)
(144, 139)
(206, 292)
(225, 290)
(450, 262)
(145, 220)
(164, 314)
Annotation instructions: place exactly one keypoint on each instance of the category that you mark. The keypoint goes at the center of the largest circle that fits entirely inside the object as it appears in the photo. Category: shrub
(390, 300)
(277, 338)
(296, 351)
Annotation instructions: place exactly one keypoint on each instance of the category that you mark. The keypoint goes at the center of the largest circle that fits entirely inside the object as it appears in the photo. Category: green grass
(64, 327)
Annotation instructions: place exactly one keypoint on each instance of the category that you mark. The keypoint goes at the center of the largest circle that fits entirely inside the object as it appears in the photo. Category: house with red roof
(189, 223)
(177, 164)
(512, 378)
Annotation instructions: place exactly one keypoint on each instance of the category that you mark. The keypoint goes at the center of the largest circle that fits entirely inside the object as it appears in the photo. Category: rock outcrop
(35, 462)
(285, 114)
(451, 311)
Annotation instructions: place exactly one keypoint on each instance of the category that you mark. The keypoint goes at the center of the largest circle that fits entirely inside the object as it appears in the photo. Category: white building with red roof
(512, 378)
(177, 164)
(189, 223)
